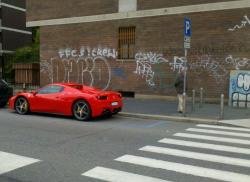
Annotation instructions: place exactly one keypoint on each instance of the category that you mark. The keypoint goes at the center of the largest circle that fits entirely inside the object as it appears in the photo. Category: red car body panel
(62, 102)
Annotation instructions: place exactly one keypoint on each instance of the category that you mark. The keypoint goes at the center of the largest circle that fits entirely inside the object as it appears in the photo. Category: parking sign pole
(187, 45)
(185, 85)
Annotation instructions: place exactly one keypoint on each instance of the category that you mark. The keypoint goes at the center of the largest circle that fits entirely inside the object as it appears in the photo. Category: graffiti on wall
(244, 23)
(144, 62)
(197, 66)
(209, 64)
(80, 66)
(91, 66)
(239, 91)
(178, 64)
(215, 67)
(237, 63)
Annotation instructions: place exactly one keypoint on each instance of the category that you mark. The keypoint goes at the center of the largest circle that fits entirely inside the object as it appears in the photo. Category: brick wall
(152, 4)
(50, 9)
(215, 51)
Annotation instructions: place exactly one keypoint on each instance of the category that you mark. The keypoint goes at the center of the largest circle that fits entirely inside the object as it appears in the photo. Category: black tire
(21, 106)
(81, 110)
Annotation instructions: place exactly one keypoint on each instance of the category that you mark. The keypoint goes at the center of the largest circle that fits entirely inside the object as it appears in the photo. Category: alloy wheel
(81, 110)
(21, 106)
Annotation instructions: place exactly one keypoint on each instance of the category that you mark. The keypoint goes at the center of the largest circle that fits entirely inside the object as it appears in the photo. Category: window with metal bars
(126, 45)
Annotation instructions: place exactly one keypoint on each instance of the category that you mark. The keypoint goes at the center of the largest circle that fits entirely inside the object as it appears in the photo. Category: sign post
(187, 45)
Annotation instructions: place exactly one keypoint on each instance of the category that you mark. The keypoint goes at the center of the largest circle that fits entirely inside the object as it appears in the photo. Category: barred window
(126, 45)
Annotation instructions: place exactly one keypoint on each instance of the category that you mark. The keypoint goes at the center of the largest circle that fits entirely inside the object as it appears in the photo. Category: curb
(172, 118)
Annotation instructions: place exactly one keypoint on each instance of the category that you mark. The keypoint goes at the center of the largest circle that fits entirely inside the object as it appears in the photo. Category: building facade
(137, 45)
(13, 31)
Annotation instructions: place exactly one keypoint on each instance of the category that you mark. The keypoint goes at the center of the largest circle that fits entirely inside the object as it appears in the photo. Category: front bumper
(12, 102)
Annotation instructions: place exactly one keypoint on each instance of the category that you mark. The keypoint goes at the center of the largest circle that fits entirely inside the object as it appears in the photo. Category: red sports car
(69, 99)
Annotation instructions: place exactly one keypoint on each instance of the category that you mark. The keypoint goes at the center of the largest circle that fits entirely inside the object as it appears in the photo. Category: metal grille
(126, 49)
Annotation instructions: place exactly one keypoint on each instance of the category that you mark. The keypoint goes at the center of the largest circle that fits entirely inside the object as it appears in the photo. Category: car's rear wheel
(21, 105)
(82, 110)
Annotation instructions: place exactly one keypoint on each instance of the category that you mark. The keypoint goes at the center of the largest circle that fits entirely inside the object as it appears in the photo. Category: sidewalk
(163, 109)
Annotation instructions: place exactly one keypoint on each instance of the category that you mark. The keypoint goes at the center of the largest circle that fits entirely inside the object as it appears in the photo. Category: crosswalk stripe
(112, 175)
(10, 162)
(186, 169)
(205, 146)
(212, 138)
(223, 127)
(219, 132)
(196, 155)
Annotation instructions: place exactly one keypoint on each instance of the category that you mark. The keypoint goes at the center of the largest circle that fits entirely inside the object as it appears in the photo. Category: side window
(51, 89)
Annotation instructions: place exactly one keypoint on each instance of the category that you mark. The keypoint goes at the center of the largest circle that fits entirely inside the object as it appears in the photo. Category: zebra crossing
(10, 162)
(219, 142)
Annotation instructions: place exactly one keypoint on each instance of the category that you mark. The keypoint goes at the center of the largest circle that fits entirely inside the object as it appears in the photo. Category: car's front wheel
(82, 110)
(21, 105)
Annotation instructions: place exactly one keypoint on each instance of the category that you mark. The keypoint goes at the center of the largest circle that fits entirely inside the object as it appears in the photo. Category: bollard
(193, 100)
(24, 86)
(222, 106)
(201, 97)
(184, 104)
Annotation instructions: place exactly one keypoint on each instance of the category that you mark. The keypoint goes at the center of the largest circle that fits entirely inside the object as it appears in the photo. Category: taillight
(102, 97)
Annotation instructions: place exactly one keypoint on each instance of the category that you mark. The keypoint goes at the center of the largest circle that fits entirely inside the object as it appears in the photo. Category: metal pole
(201, 97)
(24, 86)
(222, 106)
(185, 85)
(193, 100)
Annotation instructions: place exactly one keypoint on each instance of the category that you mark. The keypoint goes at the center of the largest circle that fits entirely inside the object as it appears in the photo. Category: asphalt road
(47, 148)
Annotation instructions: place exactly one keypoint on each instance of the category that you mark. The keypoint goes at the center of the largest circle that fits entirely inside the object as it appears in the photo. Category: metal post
(201, 97)
(185, 85)
(193, 100)
(222, 106)
(24, 86)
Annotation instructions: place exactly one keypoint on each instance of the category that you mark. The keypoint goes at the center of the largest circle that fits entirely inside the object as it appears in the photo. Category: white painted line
(186, 169)
(16, 30)
(10, 162)
(238, 122)
(223, 127)
(219, 132)
(13, 7)
(198, 156)
(144, 13)
(212, 138)
(112, 175)
(205, 146)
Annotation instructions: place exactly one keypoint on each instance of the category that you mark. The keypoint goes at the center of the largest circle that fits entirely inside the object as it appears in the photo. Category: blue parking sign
(187, 27)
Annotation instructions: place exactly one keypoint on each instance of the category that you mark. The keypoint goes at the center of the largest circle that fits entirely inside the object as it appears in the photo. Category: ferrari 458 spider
(69, 99)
